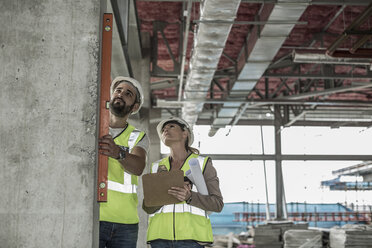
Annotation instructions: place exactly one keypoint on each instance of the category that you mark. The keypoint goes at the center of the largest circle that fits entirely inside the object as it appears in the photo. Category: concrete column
(367, 177)
(141, 71)
(49, 59)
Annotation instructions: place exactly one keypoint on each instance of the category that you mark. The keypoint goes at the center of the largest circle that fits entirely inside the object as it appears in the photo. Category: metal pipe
(272, 22)
(362, 56)
(185, 41)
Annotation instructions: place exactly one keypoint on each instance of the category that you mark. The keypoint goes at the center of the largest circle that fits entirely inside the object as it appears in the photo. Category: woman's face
(172, 132)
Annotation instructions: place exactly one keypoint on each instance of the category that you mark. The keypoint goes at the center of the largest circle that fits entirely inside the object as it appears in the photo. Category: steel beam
(256, 122)
(161, 103)
(164, 84)
(313, 2)
(184, 49)
(273, 22)
(279, 214)
(326, 91)
(290, 157)
(121, 15)
(318, 76)
(356, 23)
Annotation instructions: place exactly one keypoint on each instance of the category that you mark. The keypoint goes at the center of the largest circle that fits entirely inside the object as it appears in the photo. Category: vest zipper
(174, 222)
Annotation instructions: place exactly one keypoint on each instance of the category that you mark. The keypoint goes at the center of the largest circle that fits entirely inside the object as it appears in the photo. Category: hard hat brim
(159, 128)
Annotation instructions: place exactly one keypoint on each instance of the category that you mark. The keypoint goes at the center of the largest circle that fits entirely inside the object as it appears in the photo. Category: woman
(185, 224)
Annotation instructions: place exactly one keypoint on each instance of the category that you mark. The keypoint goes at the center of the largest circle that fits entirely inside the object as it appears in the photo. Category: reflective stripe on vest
(155, 167)
(132, 138)
(181, 208)
(131, 188)
(128, 186)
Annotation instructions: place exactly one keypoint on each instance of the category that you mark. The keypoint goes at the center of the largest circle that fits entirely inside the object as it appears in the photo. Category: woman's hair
(183, 127)
(189, 148)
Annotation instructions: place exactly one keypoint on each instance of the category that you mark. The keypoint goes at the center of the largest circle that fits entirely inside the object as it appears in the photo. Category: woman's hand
(181, 194)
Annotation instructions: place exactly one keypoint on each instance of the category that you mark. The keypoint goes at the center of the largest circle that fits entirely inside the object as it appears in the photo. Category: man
(126, 148)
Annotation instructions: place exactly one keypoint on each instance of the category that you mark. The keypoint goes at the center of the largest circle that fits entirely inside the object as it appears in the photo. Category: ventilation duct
(209, 43)
(265, 46)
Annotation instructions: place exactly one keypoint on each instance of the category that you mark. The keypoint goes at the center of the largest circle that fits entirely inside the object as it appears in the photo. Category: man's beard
(120, 110)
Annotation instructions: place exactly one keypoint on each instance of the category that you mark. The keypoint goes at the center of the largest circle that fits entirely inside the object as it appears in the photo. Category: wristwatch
(189, 200)
(122, 152)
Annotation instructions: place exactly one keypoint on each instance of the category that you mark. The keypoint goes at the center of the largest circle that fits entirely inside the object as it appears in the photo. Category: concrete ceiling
(312, 58)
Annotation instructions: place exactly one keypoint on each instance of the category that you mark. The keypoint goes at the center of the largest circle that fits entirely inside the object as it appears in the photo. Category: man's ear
(135, 107)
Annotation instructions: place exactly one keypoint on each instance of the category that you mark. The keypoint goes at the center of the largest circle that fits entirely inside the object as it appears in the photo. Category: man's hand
(107, 147)
(181, 194)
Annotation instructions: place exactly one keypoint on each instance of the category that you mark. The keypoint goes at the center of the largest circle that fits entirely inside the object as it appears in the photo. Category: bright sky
(244, 180)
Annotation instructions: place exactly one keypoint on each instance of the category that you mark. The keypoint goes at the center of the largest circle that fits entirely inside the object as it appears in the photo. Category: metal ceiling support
(309, 2)
(126, 22)
(184, 49)
(290, 157)
(263, 44)
(359, 43)
(160, 103)
(308, 123)
(326, 91)
(279, 213)
(209, 43)
(299, 116)
(158, 27)
(278, 88)
(327, 75)
(163, 84)
(360, 53)
(273, 22)
(352, 27)
(358, 169)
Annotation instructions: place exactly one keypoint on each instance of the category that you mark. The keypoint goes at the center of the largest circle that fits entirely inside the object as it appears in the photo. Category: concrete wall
(49, 57)
(141, 72)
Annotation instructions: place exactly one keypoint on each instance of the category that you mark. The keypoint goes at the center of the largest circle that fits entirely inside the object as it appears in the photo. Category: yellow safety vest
(121, 205)
(180, 221)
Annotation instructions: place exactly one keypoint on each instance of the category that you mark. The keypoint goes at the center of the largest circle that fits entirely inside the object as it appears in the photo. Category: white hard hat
(135, 83)
(180, 121)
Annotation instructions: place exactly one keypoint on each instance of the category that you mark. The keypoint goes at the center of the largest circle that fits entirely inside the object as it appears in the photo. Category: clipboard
(156, 185)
